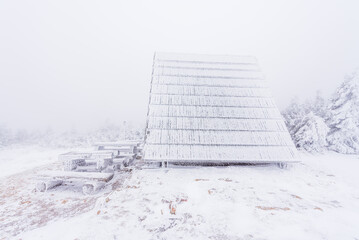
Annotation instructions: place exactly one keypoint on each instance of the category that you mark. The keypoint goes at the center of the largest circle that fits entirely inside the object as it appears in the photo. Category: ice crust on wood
(213, 101)
(213, 108)
(213, 112)
(213, 124)
(214, 82)
(220, 153)
(45, 185)
(222, 91)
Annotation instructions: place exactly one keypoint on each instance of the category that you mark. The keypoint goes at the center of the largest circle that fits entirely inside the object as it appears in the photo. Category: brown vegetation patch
(201, 179)
(272, 208)
(173, 208)
(211, 191)
(181, 200)
(296, 196)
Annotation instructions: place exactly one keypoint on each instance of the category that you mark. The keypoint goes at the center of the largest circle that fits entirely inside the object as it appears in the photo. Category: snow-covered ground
(20, 158)
(315, 199)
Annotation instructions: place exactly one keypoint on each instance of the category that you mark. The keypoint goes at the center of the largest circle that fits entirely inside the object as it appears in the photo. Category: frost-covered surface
(224, 82)
(213, 101)
(225, 153)
(213, 71)
(213, 107)
(211, 123)
(210, 91)
(214, 112)
(315, 199)
(17, 159)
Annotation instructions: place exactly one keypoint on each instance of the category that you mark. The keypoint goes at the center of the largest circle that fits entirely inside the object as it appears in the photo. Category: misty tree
(306, 123)
(71, 138)
(319, 106)
(343, 117)
(293, 115)
(5, 136)
(311, 133)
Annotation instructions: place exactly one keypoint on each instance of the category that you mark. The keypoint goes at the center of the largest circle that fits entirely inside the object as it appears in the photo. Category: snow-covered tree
(319, 106)
(293, 115)
(311, 133)
(345, 102)
(5, 136)
(344, 137)
(343, 118)
(306, 123)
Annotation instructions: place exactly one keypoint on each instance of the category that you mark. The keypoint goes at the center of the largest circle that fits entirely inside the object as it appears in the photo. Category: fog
(79, 64)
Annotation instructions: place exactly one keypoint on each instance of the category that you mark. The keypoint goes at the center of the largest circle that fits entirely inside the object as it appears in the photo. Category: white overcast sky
(69, 63)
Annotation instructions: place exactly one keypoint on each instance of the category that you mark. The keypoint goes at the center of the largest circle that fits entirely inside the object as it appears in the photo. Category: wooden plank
(122, 149)
(72, 164)
(74, 155)
(130, 155)
(88, 168)
(45, 185)
(94, 176)
(83, 155)
(92, 187)
(118, 143)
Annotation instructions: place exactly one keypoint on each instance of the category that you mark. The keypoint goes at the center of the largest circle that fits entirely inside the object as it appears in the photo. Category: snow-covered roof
(213, 108)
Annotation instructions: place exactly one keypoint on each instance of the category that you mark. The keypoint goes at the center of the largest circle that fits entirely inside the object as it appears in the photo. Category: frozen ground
(17, 159)
(316, 199)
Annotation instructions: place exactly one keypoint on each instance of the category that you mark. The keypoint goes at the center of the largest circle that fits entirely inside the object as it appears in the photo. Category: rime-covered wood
(212, 108)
